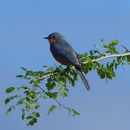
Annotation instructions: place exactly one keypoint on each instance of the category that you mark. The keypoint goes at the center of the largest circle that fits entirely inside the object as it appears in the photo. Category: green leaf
(37, 114)
(51, 109)
(50, 85)
(9, 90)
(29, 73)
(51, 94)
(50, 68)
(74, 112)
(115, 42)
(105, 46)
(23, 115)
(32, 122)
(37, 106)
(10, 109)
(31, 115)
(65, 94)
(23, 110)
(24, 87)
(23, 68)
(7, 100)
(21, 101)
(28, 107)
(20, 76)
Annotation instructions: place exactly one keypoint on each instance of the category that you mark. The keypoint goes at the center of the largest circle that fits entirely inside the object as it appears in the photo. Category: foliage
(52, 82)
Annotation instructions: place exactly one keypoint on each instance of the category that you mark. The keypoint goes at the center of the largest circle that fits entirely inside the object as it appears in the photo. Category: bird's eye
(54, 37)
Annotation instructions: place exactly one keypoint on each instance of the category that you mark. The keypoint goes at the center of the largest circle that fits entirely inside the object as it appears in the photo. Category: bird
(63, 52)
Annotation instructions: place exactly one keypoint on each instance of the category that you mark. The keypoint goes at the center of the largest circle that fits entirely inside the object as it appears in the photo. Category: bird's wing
(66, 52)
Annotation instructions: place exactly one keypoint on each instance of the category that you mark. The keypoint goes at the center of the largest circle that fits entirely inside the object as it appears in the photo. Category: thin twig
(42, 89)
(62, 105)
(127, 50)
(99, 52)
(69, 109)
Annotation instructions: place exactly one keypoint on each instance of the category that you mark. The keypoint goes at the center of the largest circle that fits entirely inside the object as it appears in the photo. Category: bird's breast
(61, 60)
(59, 54)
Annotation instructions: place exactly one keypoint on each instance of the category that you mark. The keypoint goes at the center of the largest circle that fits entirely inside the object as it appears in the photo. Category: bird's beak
(45, 37)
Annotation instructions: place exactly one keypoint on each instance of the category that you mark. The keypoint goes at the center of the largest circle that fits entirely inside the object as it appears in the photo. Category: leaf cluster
(52, 82)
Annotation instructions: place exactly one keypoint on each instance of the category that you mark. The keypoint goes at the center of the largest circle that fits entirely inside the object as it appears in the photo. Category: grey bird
(63, 52)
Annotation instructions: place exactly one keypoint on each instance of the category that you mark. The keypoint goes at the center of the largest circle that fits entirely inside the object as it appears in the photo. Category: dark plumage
(65, 54)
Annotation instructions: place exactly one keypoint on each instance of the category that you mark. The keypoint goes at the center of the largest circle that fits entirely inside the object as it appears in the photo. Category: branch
(110, 56)
(98, 59)
(44, 76)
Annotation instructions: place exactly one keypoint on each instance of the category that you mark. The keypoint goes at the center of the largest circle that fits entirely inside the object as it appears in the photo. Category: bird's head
(54, 37)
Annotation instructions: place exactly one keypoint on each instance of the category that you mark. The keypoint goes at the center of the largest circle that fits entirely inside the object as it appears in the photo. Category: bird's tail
(84, 79)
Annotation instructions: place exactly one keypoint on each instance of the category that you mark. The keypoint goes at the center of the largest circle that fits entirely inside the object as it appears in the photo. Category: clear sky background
(24, 23)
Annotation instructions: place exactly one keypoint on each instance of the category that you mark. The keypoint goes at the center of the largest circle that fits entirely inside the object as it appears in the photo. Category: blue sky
(23, 25)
